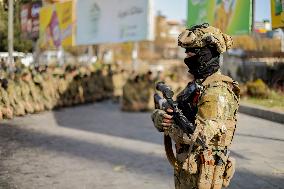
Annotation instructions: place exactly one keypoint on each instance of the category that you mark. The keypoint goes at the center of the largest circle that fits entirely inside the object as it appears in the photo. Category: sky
(177, 10)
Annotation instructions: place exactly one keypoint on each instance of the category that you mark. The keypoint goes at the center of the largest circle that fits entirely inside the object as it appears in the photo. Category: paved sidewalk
(261, 112)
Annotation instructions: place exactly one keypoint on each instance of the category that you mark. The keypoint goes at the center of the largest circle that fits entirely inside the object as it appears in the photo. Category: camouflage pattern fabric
(137, 94)
(6, 108)
(215, 123)
(203, 35)
(36, 89)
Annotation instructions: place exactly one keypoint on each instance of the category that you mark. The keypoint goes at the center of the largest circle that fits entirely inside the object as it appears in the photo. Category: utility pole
(253, 15)
(10, 33)
(135, 56)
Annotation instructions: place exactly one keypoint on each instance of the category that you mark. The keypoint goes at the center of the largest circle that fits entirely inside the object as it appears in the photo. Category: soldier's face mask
(202, 62)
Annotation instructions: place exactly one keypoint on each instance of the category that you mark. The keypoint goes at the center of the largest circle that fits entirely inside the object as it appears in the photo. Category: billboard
(57, 25)
(30, 20)
(113, 21)
(231, 16)
(277, 14)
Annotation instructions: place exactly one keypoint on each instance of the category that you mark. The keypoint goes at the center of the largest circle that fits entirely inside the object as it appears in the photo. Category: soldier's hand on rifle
(162, 120)
(167, 119)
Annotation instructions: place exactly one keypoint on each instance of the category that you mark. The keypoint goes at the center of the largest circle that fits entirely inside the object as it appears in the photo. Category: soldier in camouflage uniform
(18, 107)
(107, 81)
(145, 88)
(37, 88)
(62, 89)
(130, 98)
(5, 105)
(96, 78)
(212, 107)
(41, 81)
(68, 95)
(26, 92)
(118, 83)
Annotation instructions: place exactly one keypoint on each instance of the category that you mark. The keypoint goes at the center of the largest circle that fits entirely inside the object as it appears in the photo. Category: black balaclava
(204, 63)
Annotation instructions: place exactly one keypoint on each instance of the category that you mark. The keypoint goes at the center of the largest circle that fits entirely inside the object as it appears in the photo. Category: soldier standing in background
(18, 107)
(212, 107)
(5, 105)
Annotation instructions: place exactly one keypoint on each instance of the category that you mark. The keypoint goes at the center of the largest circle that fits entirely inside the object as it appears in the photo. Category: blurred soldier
(18, 107)
(210, 102)
(33, 91)
(5, 105)
(130, 98)
(68, 95)
(151, 86)
(41, 81)
(97, 78)
(25, 91)
(145, 88)
(117, 84)
(62, 89)
(107, 81)
(89, 84)
(81, 84)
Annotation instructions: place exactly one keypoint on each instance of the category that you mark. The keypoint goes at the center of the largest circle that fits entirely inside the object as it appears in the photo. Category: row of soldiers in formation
(28, 90)
(34, 89)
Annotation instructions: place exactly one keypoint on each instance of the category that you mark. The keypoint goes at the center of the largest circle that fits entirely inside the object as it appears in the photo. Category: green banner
(231, 16)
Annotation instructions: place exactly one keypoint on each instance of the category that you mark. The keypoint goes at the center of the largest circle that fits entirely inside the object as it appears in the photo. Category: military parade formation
(34, 89)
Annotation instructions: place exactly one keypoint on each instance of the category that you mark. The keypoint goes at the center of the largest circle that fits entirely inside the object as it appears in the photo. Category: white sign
(114, 21)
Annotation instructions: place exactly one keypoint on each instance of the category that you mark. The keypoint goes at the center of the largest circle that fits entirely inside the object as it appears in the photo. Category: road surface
(97, 146)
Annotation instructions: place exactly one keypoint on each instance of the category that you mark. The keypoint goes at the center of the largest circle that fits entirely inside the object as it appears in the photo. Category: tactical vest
(188, 103)
(226, 130)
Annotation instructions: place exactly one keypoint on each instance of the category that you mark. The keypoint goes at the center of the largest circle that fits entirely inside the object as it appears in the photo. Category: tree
(21, 45)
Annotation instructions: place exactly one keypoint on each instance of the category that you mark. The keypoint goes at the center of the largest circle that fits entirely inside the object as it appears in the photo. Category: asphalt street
(97, 146)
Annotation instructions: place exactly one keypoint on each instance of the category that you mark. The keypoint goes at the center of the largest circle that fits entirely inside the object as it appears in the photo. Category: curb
(262, 113)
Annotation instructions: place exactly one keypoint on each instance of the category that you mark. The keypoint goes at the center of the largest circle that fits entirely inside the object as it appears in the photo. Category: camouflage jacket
(215, 119)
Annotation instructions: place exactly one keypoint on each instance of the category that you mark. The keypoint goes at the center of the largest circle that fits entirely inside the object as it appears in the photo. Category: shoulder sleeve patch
(208, 107)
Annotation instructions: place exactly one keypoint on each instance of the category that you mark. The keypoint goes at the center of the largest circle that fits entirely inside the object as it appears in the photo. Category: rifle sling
(169, 151)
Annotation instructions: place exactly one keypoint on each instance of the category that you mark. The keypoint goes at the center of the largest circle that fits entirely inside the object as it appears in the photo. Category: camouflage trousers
(207, 177)
(195, 173)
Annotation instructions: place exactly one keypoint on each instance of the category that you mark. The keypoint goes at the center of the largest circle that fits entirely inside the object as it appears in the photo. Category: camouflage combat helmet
(202, 35)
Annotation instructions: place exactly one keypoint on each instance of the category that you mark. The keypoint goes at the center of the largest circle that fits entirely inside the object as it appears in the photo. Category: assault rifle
(167, 102)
